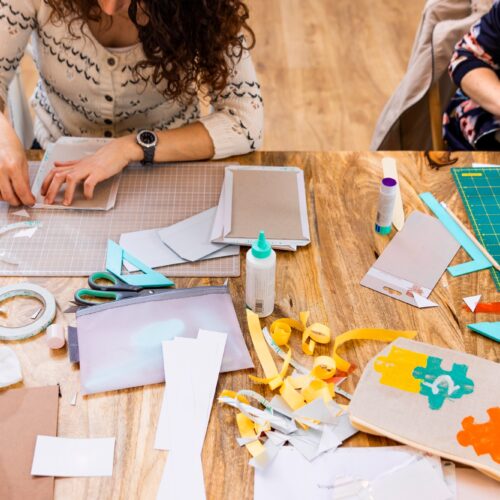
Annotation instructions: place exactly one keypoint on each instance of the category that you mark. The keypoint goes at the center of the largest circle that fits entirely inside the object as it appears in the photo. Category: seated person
(130, 69)
(472, 120)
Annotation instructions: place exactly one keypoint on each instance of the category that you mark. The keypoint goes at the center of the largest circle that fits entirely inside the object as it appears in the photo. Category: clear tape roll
(44, 319)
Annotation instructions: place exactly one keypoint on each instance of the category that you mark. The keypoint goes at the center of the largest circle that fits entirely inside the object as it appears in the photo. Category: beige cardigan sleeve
(17, 21)
(237, 121)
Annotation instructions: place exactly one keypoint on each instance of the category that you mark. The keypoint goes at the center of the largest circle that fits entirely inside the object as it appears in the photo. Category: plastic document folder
(269, 199)
(75, 148)
(120, 342)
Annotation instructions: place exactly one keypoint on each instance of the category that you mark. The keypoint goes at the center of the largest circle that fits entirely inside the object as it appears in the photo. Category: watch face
(146, 138)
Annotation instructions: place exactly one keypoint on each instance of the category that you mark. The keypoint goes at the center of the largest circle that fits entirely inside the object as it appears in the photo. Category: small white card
(66, 457)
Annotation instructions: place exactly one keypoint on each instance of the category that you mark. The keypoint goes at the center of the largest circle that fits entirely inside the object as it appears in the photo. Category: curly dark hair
(189, 44)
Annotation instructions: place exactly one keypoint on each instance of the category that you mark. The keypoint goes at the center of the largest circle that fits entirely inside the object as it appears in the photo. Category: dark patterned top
(467, 126)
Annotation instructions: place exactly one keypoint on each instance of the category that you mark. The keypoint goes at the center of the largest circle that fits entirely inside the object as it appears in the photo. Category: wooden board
(342, 190)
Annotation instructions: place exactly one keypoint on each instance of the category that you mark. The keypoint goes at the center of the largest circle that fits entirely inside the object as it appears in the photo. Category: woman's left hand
(108, 161)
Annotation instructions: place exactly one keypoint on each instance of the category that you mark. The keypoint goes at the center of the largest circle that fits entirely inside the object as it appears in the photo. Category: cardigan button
(107, 121)
(108, 133)
(108, 98)
(111, 61)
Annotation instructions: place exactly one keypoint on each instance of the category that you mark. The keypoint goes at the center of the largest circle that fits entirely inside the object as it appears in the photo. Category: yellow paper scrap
(323, 367)
(260, 345)
(381, 334)
(234, 395)
(275, 382)
(247, 430)
(292, 397)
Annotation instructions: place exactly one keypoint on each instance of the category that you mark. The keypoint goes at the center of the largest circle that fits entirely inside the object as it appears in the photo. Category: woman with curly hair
(132, 70)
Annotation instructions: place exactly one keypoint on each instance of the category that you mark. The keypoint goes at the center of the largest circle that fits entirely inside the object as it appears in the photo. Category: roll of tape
(55, 336)
(44, 319)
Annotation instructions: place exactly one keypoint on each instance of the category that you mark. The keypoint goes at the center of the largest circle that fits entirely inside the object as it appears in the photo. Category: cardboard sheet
(443, 401)
(75, 148)
(66, 457)
(250, 195)
(25, 413)
(413, 261)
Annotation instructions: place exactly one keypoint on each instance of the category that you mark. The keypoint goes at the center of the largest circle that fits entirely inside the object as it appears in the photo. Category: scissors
(114, 289)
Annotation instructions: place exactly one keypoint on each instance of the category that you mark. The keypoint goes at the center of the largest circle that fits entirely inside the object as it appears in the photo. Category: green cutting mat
(480, 192)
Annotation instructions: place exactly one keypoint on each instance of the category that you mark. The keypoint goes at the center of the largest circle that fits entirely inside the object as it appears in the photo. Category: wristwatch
(148, 140)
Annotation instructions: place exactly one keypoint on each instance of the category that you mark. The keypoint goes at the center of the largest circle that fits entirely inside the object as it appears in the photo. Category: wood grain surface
(342, 191)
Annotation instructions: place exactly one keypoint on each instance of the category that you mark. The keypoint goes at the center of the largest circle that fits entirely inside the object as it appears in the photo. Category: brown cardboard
(24, 414)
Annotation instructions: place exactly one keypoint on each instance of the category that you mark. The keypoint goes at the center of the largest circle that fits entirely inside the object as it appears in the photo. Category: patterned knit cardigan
(85, 89)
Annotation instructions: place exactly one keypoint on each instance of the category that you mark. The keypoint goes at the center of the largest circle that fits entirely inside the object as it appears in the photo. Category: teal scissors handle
(115, 284)
(111, 296)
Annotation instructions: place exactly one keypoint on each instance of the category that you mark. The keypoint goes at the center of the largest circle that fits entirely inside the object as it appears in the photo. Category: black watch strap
(149, 154)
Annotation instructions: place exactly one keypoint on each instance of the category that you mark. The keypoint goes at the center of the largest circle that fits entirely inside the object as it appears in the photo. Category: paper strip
(472, 301)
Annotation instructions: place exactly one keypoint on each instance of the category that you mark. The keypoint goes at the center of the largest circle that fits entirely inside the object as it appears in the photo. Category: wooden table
(342, 191)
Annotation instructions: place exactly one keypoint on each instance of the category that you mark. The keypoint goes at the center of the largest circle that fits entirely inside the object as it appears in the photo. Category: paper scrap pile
(304, 414)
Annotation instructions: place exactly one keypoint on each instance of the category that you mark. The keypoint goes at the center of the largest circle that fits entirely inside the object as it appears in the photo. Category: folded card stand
(440, 401)
(120, 342)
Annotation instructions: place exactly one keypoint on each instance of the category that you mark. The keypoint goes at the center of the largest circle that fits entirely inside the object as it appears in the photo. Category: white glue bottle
(261, 277)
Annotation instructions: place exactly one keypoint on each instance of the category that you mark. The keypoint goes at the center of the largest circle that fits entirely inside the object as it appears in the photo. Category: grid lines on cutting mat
(74, 242)
(479, 189)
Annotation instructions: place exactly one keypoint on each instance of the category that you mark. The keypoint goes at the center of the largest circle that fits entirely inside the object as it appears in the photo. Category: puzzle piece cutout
(438, 384)
(397, 368)
(484, 437)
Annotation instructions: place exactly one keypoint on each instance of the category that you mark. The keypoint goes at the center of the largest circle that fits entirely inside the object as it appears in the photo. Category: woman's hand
(14, 176)
(107, 162)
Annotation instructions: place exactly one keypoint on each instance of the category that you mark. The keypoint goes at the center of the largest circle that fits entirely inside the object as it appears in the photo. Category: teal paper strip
(490, 330)
(479, 261)
(147, 279)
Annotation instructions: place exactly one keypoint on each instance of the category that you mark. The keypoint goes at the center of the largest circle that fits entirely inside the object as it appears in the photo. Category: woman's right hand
(14, 176)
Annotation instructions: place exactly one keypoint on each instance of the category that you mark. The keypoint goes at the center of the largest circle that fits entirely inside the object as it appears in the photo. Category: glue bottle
(386, 201)
(261, 277)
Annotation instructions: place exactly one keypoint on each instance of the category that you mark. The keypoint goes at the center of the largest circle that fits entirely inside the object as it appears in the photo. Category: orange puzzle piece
(485, 437)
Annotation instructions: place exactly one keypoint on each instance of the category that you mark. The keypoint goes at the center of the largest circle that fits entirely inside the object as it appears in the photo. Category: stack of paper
(191, 371)
(186, 241)
(269, 199)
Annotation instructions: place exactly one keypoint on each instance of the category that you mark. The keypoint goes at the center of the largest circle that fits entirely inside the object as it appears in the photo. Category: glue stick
(55, 336)
(386, 201)
(261, 277)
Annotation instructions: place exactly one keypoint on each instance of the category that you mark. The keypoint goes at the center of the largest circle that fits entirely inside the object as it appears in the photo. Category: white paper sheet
(66, 457)
(290, 476)
(148, 248)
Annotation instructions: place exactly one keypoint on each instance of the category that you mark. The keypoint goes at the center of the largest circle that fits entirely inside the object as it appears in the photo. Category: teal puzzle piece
(439, 385)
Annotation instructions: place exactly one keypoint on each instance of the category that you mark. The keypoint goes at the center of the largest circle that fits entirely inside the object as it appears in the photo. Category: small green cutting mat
(480, 192)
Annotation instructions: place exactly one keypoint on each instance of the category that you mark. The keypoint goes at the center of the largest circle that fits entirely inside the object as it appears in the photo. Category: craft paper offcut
(25, 413)
(67, 457)
(472, 302)
(119, 343)
(452, 386)
(413, 261)
(269, 199)
(75, 148)
(148, 278)
(490, 330)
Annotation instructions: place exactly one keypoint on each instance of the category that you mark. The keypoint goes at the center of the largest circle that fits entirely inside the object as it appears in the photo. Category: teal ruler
(480, 192)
